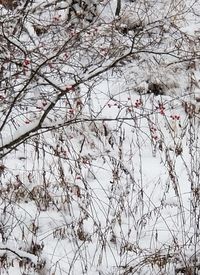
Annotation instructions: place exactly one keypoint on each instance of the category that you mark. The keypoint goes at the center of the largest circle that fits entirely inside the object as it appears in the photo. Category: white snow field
(99, 137)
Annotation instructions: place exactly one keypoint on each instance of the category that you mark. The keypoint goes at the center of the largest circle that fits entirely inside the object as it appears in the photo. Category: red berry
(71, 111)
(26, 62)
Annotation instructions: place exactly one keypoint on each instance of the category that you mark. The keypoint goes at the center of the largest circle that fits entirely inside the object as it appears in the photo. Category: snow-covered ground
(106, 177)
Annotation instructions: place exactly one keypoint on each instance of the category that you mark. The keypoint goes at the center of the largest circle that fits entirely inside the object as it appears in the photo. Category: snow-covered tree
(99, 137)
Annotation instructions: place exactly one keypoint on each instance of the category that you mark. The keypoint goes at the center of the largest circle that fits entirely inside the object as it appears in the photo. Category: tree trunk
(118, 9)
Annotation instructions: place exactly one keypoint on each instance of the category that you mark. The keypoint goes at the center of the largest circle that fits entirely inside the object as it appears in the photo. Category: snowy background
(99, 137)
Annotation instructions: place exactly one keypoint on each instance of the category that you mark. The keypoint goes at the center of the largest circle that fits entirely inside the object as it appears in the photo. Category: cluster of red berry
(161, 108)
(138, 103)
(175, 117)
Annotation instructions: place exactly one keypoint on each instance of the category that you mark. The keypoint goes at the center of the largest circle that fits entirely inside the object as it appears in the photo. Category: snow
(109, 183)
(19, 253)
(10, 137)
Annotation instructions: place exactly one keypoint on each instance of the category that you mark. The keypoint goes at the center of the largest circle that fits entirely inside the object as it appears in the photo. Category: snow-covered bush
(99, 149)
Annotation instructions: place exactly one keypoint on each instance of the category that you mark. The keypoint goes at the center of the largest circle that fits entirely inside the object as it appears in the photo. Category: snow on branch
(19, 253)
